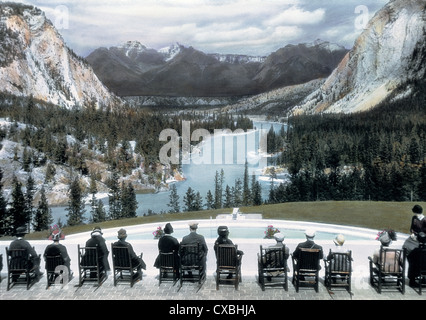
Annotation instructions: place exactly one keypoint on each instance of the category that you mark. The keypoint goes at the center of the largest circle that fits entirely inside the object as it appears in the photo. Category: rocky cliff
(389, 54)
(34, 60)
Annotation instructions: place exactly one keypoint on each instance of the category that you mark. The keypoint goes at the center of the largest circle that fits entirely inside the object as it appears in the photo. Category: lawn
(367, 214)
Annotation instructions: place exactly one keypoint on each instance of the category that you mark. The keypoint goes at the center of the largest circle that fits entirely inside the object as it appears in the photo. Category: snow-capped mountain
(185, 71)
(34, 60)
(388, 55)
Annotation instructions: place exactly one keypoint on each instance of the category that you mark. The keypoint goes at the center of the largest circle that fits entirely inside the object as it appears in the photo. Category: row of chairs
(388, 271)
(189, 268)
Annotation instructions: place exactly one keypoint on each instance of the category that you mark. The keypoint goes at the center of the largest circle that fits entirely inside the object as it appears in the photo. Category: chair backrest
(391, 260)
(51, 262)
(17, 259)
(340, 261)
(88, 256)
(273, 257)
(167, 259)
(121, 257)
(309, 259)
(227, 256)
(422, 258)
(190, 254)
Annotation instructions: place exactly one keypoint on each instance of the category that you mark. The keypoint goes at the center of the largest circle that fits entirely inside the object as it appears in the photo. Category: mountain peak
(390, 52)
(36, 62)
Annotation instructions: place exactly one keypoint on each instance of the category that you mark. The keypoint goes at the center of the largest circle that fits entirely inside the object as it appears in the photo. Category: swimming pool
(245, 230)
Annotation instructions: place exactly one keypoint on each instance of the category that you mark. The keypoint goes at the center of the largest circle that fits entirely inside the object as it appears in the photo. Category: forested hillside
(373, 155)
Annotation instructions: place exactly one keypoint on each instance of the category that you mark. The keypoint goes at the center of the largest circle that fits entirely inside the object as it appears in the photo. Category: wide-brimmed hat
(310, 233)
(168, 228)
(121, 234)
(417, 209)
(96, 230)
(339, 240)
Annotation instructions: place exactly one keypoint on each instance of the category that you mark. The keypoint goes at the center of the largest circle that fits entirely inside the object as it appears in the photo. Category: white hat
(193, 225)
(339, 240)
(279, 236)
(310, 233)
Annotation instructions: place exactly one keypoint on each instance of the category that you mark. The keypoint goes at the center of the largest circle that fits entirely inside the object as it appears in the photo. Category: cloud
(250, 26)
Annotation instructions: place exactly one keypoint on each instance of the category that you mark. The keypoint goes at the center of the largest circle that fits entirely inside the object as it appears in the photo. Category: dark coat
(308, 244)
(417, 225)
(55, 249)
(166, 244)
(97, 240)
(136, 261)
(193, 238)
(20, 243)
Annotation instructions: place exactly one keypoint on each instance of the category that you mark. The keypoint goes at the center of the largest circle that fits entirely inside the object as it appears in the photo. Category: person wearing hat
(166, 244)
(279, 238)
(223, 233)
(339, 240)
(193, 238)
(56, 249)
(308, 244)
(21, 243)
(96, 240)
(137, 261)
(414, 259)
(385, 241)
(418, 221)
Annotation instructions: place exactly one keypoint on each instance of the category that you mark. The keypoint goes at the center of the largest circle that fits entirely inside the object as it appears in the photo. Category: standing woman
(418, 221)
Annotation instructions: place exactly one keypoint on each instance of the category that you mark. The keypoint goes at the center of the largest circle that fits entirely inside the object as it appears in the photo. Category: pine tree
(246, 188)
(228, 198)
(174, 200)
(114, 197)
(76, 207)
(189, 200)
(29, 198)
(209, 200)
(218, 190)
(18, 208)
(5, 227)
(256, 191)
(93, 190)
(198, 202)
(129, 203)
(238, 193)
(43, 216)
(100, 213)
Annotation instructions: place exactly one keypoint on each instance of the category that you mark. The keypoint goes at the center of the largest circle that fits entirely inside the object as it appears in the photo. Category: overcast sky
(253, 27)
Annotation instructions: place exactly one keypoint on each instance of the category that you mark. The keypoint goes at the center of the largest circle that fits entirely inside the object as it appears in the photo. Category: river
(201, 176)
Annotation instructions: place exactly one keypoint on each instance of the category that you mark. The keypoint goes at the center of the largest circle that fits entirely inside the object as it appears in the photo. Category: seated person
(391, 264)
(21, 243)
(279, 238)
(308, 244)
(338, 241)
(193, 238)
(55, 249)
(167, 244)
(223, 233)
(413, 259)
(96, 240)
(137, 261)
